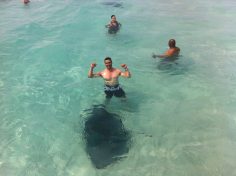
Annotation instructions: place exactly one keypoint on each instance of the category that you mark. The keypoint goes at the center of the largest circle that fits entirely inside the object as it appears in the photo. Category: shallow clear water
(181, 114)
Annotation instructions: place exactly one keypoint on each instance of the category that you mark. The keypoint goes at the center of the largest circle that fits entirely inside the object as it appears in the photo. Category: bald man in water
(110, 76)
(171, 52)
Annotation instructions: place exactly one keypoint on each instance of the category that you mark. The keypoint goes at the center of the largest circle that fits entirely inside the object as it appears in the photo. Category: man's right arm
(91, 74)
(168, 53)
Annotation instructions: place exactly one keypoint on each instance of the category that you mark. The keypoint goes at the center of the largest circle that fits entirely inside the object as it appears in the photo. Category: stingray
(113, 4)
(106, 139)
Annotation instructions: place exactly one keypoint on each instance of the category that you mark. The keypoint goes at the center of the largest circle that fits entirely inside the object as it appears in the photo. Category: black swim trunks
(116, 90)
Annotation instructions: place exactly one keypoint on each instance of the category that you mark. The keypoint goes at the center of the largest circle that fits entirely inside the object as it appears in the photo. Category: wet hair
(107, 58)
(113, 16)
(172, 43)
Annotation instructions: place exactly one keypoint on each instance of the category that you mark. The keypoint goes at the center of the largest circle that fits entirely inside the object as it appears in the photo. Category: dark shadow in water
(113, 31)
(105, 136)
(172, 66)
(113, 4)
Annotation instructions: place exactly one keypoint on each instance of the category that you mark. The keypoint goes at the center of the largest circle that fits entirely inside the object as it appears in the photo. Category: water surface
(181, 113)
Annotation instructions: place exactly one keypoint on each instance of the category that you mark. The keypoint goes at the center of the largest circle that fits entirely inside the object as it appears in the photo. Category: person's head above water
(26, 1)
(108, 63)
(171, 43)
(113, 18)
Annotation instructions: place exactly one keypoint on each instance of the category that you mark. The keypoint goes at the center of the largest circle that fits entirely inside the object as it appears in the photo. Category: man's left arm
(126, 73)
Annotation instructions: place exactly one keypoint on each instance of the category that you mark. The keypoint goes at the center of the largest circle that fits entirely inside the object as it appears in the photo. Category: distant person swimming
(113, 26)
(171, 52)
(110, 76)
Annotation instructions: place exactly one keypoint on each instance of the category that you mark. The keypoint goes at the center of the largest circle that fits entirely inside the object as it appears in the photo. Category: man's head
(108, 62)
(172, 43)
(26, 1)
(113, 18)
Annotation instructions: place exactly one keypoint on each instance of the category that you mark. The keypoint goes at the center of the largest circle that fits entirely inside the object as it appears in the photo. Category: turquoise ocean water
(181, 114)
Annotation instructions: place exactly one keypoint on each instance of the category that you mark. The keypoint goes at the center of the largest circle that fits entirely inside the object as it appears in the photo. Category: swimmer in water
(110, 76)
(114, 25)
(173, 51)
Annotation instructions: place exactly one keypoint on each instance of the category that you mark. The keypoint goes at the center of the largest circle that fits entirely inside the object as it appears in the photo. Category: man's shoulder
(117, 70)
(101, 72)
